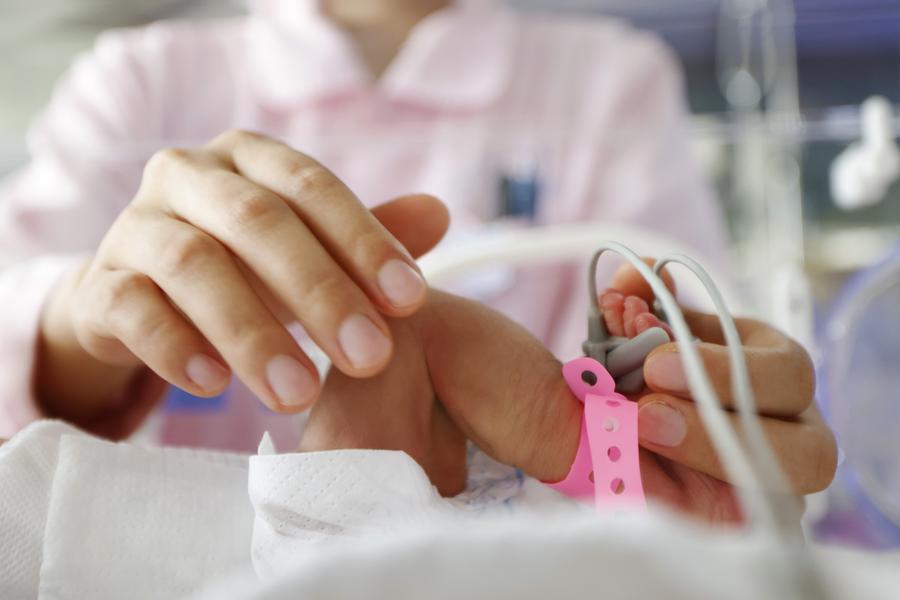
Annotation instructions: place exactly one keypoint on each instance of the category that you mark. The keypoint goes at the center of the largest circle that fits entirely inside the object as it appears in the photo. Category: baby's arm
(461, 371)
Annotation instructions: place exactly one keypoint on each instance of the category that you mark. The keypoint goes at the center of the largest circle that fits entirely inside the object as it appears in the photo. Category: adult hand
(221, 247)
(682, 466)
(460, 370)
(463, 371)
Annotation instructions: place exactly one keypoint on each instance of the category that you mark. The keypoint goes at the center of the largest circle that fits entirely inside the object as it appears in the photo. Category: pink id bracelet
(606, 467)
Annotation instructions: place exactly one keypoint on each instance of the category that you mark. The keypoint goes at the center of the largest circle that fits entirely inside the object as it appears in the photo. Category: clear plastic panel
(865, 388)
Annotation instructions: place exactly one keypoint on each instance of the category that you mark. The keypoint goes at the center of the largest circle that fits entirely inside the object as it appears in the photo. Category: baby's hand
(464, 371)
(460, 370)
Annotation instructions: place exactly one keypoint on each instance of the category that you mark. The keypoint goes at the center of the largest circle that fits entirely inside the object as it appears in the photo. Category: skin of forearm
(532, 420)
(68, 382)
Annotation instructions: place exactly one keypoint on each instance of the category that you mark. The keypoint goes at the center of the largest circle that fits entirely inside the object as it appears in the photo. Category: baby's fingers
(200, 278)
(672, 427)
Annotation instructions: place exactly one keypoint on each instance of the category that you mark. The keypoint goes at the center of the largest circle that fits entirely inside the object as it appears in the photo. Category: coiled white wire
(784, 509)
(764, 491)
(714, 418)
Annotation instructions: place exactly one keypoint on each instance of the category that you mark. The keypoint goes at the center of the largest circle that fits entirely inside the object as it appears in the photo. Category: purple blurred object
(859, 392)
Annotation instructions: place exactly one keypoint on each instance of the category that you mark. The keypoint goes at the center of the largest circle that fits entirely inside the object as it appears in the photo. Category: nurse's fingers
(131, 318)
(202, 279)
(781, 372)
(671, 427)
(349, 232)
(259, 228)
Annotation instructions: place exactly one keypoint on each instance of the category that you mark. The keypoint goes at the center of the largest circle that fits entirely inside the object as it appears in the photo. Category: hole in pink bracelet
(614, 453)
(589, 377)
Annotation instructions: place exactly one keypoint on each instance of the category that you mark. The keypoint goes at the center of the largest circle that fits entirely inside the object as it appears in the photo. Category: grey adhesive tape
(630, 355)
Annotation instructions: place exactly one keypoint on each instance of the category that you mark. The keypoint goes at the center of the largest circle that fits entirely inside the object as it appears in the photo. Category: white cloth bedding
(27, 467)
(529, 557)
(304, 500)
(83, 518)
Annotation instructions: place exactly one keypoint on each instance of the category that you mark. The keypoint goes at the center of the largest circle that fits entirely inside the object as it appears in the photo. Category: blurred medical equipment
(862, 173)
(757, 66)
(859, 395)
(780, 189)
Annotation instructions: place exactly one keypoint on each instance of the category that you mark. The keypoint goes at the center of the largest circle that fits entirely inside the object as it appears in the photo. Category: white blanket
(83, 518)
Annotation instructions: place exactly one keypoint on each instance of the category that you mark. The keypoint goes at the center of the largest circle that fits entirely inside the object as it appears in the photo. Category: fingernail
(290, 380)
(206, 372)
(402, 284)
(659, 423)
(362, 342)
(663, 371)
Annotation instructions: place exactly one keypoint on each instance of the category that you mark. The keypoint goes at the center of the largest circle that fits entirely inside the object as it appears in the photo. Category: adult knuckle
(370, 246)
(249, 342)
(164, 161)
(309, 181)
(121, 290)
(184, 252)
(150, 329)
(754, 332)
(94, 322)
(326, 290)
(255, 209)
(93, 343)
(233, 137)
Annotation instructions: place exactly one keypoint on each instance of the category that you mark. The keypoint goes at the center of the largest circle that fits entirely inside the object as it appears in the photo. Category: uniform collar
(457, 58)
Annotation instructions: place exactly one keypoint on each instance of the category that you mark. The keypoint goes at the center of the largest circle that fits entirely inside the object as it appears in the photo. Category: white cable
(724, 438)
(516, 246)
(759, 448)
(802, 575)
